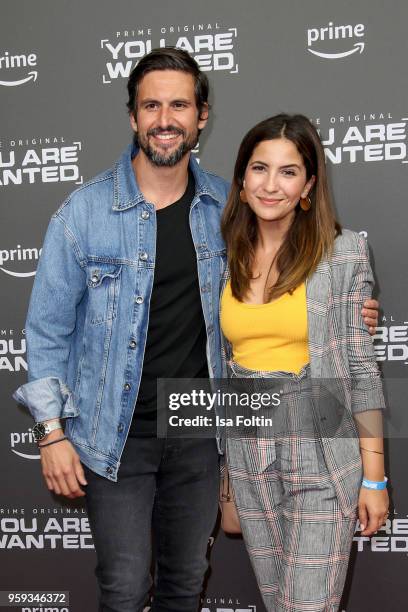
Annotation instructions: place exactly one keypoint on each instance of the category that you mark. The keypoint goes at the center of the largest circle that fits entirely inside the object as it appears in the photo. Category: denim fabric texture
(88, 315)
(165, 487)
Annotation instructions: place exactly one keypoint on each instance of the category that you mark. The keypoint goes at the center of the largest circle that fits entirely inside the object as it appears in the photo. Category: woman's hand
(370, 315)
(372, 510)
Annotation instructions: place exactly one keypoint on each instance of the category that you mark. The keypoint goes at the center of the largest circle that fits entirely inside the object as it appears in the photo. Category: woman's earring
(305, 203)
(243, 196)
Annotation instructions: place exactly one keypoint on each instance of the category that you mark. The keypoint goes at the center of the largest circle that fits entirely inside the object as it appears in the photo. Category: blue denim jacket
(89, 309)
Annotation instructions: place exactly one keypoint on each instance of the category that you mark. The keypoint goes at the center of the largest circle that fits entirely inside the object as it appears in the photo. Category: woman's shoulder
(349, 241)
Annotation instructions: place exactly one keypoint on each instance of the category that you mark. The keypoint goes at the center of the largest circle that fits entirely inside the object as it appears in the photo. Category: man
(127, 292)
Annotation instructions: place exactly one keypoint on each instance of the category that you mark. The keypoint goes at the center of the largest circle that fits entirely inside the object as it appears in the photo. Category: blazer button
(145, 215)
(139, 300)
(127, 387)
(143, 256)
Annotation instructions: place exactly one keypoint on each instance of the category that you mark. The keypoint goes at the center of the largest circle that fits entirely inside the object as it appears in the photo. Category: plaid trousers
(297, 537)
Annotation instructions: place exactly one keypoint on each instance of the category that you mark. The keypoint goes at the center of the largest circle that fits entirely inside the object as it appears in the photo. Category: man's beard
(163, 159)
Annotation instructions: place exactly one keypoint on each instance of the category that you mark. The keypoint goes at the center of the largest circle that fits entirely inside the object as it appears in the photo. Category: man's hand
(61, 467)
(370, 315)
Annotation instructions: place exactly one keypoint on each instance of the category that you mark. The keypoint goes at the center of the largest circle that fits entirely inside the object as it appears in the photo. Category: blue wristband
(374, 485)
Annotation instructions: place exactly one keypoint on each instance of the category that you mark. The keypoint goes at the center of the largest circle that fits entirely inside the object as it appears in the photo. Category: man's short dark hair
(168, 58)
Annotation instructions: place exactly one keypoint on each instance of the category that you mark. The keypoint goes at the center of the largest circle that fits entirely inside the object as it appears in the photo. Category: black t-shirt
(176, 336)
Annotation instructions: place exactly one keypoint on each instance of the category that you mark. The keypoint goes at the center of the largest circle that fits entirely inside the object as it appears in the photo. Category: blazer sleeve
(366, 384)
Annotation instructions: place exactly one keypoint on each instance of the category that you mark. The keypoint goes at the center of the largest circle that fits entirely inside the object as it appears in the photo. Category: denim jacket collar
(128, 194)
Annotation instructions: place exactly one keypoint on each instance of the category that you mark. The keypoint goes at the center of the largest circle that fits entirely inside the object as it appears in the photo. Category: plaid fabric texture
(297, 485)
(342, 359)
(297, 537)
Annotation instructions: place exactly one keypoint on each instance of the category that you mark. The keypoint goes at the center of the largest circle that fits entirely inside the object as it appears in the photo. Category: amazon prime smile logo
(12, 261)
(13, 66)
(23, 444)
(342, 35)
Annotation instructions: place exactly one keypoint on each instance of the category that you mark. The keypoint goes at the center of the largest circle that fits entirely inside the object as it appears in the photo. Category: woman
(291, 319)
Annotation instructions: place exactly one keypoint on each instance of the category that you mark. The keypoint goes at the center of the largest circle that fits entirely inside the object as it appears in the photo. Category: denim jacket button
(127, 387)
(109, 470)
(108, 311)
(143, 256)
(132, 344)
(120, 427)
(145, 215)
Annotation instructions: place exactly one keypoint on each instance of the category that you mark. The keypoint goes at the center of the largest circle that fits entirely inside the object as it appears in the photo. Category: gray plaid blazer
(344, 372)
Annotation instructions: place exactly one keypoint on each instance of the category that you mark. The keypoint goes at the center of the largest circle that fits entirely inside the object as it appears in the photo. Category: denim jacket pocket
(103, 280)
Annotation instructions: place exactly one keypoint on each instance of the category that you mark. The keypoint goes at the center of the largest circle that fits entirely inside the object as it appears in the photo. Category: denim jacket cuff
(46, 398)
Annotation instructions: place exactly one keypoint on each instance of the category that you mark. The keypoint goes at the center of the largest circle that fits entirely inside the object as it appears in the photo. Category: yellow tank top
(271, 336)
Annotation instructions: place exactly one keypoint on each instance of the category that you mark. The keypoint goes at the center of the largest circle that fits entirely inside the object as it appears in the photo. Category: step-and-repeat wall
(63, 70)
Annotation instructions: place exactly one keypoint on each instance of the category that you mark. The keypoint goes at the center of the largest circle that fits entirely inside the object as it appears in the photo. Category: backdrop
(63, 69)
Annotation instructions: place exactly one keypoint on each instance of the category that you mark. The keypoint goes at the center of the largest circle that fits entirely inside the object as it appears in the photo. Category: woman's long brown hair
(311, 235)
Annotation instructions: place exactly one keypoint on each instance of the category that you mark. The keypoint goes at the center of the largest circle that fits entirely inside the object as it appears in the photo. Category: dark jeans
(165, 487)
